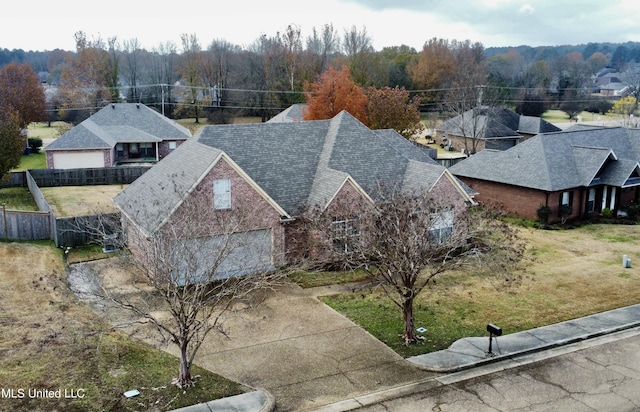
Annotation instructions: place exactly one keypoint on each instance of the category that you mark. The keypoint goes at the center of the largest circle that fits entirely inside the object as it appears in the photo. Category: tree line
(221, 80)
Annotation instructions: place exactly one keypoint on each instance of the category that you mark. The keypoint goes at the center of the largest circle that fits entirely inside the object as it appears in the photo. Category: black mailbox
(494, 330)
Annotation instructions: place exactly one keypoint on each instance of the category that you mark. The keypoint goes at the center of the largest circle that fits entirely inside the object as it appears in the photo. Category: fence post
(4, 220)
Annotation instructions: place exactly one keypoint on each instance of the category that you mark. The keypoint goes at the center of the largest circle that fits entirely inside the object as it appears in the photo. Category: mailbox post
(493, 331)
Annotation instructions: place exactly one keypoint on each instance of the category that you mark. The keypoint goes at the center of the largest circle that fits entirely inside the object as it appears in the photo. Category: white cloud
(492, 22)
(526, 9)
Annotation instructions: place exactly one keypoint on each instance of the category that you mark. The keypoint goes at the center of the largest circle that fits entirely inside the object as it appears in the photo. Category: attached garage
(232, 255)
(77, 160)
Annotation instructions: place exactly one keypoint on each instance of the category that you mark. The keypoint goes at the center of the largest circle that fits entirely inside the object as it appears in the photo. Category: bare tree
(321, 47)
(406, 240)
(186, 277)
(131, 59)
(190, 72)
(468, 97)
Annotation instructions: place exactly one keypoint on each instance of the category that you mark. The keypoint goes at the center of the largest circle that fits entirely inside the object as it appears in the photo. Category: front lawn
(50, 341)
(568, 274)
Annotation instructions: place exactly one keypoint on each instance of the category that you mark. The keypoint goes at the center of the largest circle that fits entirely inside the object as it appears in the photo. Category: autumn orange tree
(22, 101)
(334, 92)
(393, 108)
(21, 92)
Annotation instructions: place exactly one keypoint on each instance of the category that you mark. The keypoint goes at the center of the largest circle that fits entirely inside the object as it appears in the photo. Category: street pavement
(599, 374)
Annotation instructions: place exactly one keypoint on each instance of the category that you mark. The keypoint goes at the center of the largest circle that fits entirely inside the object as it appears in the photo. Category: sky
(45, 25)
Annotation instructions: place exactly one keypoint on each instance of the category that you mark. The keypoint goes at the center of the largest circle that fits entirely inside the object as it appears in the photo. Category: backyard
(82, 200)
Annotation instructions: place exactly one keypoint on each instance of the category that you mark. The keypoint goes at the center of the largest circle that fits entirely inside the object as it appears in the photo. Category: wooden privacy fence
(15, 179)
(87, 177)
(24, 225)
(85, 230)
(65, 231)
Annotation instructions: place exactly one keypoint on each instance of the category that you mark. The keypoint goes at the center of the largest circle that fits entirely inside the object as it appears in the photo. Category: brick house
(119, 133)
(490, 128)
(271, 172)
(585, 168)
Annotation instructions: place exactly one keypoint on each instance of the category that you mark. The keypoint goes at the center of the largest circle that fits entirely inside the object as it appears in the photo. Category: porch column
(604, 198)
(612, 203)
(157, 152)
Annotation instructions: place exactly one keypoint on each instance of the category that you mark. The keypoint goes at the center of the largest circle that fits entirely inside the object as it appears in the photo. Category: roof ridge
(322, 168)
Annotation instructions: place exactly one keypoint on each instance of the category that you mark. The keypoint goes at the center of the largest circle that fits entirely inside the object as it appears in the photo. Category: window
(119, 151)
(591, 200)
(344, 232)
(222, 194)
(146, 150)
(565, 208)
(441, 226)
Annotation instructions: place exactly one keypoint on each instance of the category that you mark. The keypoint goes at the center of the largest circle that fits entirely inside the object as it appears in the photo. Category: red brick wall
(163, 147)
(513, 200)
(249, 211)
(524, 202)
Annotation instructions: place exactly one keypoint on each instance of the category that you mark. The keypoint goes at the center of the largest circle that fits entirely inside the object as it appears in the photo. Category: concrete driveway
(304, 353)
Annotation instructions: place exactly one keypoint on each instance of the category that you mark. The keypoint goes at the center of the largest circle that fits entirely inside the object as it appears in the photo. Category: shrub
(565, 212)
(35, 144)
(633, 211)
(543, 213)
(606, 213)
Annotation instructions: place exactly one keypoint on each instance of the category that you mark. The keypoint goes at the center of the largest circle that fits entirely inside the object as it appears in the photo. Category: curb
(255, 401)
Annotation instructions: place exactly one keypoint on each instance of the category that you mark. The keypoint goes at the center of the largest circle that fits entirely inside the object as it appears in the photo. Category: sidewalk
(470, 352)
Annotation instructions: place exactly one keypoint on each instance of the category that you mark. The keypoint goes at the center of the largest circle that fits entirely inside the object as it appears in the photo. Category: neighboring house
(606, 76)
(490, 128)
(616, 89)
(293, 113)
(586, 168)
(275, 171)
(117, 134)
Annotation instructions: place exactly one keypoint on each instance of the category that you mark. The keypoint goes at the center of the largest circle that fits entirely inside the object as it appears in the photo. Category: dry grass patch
(50, 341)
(69, 201)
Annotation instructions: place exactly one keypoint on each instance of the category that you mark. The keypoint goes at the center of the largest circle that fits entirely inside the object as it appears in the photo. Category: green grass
(311, 279)
(32, 161)
(87, 253)
(17, 198)
(44, 131)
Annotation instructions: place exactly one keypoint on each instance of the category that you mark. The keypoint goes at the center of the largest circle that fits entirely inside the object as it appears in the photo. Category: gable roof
(558, 161)
(305, 163)
(292, 164)
(120, 123)
(150, 201)
(495, 123)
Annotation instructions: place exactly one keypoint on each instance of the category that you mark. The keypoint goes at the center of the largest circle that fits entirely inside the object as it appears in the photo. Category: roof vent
(138, 105)
(113, 106)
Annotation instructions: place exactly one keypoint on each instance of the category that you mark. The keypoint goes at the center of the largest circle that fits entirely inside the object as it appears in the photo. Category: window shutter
(222, 194)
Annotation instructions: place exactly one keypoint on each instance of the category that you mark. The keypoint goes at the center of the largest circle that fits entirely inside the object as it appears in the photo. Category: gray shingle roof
(151, 198)
(296, 164)
(120, 123)
(495, 123)
(558, 161)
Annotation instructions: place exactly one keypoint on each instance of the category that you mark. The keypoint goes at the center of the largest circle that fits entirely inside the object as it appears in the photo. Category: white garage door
(235, 255)
(77, 160)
